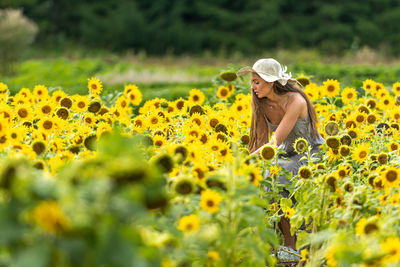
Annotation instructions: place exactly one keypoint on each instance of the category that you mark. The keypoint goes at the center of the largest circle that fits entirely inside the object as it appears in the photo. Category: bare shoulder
(297, 105)
(297, 99)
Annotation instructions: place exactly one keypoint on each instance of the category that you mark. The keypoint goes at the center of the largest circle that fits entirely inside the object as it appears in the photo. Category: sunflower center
(63, 113)
(93, 86)
(214, 148)
(370, 227)
(38, 147)
(158, 143)
(196, 98)
(213, 122)
(48, 124)
(189, 226)
(363, 154)
(46, 109)
(210, 203)
(391, 176)
(154, 121)
(224, 92)
(23, 113)
(66, 102)
(197, 121)
(330, 88)
(180, 104)
(3, 139)
(349, 95)
(81, 104)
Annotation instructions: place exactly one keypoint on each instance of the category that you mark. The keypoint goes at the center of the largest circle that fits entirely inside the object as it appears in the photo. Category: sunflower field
(92, 180)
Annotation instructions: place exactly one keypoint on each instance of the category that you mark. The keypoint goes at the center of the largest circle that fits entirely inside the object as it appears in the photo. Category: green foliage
(16, 33)
(103, 207)
(182, 26)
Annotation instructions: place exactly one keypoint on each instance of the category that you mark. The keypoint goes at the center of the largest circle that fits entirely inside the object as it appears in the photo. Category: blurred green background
(168, 47)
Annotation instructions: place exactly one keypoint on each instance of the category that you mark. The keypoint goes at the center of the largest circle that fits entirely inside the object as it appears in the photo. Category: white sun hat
(269, 70)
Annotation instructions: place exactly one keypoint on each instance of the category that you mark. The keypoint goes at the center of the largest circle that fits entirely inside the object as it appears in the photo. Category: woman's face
(260, 87)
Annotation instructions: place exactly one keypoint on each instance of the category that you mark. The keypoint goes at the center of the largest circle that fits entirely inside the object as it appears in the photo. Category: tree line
(187, 26)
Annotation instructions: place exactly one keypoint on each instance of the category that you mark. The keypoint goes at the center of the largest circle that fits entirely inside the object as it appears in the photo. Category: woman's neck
(277, 99)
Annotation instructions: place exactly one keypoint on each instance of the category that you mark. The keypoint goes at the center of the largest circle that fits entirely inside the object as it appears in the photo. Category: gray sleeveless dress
(302, 128)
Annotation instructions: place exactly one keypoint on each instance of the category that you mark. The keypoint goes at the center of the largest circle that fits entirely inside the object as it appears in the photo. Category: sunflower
(94, 106)
(333, 142)
(66, 102)
(40, 92)
(360, 117)
(80, 103)
(396, 88)
(386, 103)
(196, 97)
(154, 121)
(198, 119)
(4, 141)
(393, 146)
(16, 134)
(189, 224)
(210, 201)
(300, 145)
(366, 227)
(391, 247)
(39, 147)
(312, 90)
(305, 172)
(228, 76)
(159, 140)
(354, 133)
(371, 103)
(89, 119)
(223, 92)
(49, 216)
(95, 86)
(331, 180)
(133, 93)
(348, 94)
(361, 152)
(24, 112)
(62, 113)
(199, 170)
(382, 158)
(180, 104)
(348, 187)
(196, 109)
(331, 88)
(46, 108)
(56, 96)
(183, 185)
(344, 150)
(343, 171)
(368, 85)
(267, 152)
(350, 122)
(231, 88)
(47, 125)
(331, 128)
(303, 79)
(391, 177)
(371, 118)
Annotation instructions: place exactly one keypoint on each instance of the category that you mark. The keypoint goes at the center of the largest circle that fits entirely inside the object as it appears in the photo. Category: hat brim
(246, 70)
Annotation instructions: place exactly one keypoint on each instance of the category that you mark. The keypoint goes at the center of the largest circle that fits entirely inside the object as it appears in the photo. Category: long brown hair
(259, 131)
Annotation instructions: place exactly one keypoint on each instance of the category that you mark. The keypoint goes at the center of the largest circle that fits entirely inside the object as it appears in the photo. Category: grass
(172, 77)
